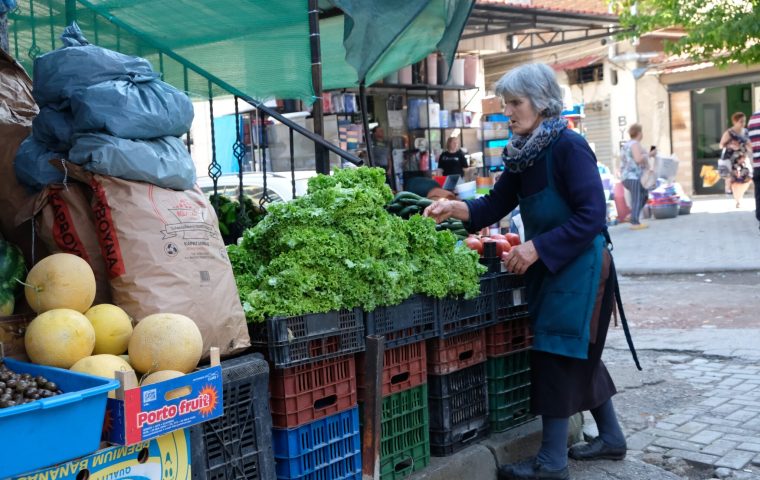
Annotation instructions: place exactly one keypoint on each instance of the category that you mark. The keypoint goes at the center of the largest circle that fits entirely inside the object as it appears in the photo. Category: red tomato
(513, 239)
(474, 243)
(502, 246)
(498, 236)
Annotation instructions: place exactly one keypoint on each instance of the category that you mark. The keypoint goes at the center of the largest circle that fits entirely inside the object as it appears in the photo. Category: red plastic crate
(509, 336)
(404, 367)
(455, 353)
(309, 392)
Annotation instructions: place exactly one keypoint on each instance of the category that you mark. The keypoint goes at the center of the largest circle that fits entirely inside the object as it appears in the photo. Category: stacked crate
(315, 415)
(507, 345)
(458, 393)
(404, 441)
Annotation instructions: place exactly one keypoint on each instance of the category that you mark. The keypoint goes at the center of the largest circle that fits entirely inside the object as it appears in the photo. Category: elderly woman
(551, 173)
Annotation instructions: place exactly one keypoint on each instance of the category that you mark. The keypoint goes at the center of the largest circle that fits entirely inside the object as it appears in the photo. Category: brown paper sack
(164, 254)
(65, 223)
(17, 110)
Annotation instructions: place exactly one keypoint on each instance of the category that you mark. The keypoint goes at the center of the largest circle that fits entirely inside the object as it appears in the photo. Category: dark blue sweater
(577, 180)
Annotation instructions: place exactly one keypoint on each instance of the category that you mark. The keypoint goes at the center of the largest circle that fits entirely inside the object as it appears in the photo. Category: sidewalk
(716, 236)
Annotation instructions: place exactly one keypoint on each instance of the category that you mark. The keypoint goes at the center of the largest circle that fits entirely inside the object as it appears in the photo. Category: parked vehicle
(279, 185)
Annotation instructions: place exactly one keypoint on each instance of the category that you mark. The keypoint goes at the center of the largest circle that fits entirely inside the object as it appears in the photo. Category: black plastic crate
(510, 291)
(411, 321)
(302, 339)
(239, 444)
(459, 315)
(458, 405)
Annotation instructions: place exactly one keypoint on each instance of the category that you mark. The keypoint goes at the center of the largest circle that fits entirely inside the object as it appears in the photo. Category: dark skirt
(562, 386)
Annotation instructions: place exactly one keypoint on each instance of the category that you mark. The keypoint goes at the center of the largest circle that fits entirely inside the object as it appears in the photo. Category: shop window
(592, 73)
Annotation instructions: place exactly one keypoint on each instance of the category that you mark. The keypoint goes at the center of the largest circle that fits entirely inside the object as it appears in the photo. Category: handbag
(648, 179)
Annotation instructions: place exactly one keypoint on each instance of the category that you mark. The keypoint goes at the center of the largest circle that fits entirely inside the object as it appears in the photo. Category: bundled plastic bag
(54, 128)
(60, 73)
(32, 165)
(132, 109)
(163, 161)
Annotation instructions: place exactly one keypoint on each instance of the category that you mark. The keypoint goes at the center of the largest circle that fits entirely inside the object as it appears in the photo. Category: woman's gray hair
(537, 82)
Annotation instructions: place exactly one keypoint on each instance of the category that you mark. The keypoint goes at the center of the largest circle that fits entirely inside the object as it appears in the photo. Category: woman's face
(453, 145)
(740, 123)
(523, 119)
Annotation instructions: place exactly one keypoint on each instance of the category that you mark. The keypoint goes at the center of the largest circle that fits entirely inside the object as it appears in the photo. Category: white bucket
(457, 72)
(431, 69)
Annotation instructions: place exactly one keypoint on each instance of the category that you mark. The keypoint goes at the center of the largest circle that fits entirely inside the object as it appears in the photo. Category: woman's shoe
(596, 449)
(531, 470)
(639, 226)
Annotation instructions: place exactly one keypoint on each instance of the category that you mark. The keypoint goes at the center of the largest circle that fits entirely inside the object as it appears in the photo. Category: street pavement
(714, 237)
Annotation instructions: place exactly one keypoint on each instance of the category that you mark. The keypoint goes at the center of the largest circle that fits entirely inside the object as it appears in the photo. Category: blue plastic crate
(325, 449)
(55, 429)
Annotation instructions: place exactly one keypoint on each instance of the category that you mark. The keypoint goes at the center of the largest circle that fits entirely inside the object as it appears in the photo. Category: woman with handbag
(735, 144)
(636, 173)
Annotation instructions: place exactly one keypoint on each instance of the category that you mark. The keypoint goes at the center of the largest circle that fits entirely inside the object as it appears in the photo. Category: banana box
(163, 458)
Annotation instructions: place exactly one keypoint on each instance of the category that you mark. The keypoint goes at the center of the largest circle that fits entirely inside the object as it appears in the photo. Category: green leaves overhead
(337, 247)
(722, 31)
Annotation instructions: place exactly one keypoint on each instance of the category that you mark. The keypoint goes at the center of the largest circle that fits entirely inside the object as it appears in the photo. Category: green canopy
(249, 47)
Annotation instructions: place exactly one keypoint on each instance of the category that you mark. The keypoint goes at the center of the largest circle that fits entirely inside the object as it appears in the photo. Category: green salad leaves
(337, 247)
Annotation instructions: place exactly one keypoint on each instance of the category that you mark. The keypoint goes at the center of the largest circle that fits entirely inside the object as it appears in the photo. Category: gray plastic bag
(135, 110)
(163, 161)
(32, 165)
(54, 128)
(60, 73)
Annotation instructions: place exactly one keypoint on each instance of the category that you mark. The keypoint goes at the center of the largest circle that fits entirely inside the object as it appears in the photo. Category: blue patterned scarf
(521, 152)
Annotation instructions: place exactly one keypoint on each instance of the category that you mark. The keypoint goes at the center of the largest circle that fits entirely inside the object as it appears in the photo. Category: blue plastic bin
(325, 449)
(55, 429)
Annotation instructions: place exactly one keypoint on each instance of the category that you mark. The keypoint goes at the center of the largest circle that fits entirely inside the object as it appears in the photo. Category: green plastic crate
(405, 441)
(508, 391)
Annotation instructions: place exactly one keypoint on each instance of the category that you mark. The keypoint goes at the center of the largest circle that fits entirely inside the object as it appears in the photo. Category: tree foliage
(722, 31)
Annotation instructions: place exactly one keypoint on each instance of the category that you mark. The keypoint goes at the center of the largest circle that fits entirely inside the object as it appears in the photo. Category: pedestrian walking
(753, 127)
(551, 173)
(735, 147)
(635, 161)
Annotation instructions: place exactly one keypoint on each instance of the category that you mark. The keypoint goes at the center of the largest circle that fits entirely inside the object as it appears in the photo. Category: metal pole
(71, 11)
(373, 407)
(365, 121)
(322, 160)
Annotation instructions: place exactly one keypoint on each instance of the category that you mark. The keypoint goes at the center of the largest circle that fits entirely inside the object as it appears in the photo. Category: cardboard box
(491, 105)
(141, 413)
(165, 458)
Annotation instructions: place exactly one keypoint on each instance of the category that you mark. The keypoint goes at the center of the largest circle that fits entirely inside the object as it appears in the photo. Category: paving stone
(745, 376)
(730, 382)
(726, 408)
(656, 449)
(704, 380)
(696, 457)
(719, 447)
(666, 426)
(747, 403)
(667, 433)
(756, 461)
(691, 427)
(639, 440)
(741, 438)
(677, 419)
(677, 444)
(735, 459)
(723, 472)
(706, 437)
(714, 401)
(742, 416)
(745, 387)
(729, 430)
(752, 447)
(675, 359)
(718, 421)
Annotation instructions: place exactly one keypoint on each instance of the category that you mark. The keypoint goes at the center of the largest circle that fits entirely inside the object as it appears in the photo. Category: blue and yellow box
(164, 458)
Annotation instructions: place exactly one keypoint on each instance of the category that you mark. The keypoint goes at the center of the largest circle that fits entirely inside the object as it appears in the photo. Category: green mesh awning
(253, 47)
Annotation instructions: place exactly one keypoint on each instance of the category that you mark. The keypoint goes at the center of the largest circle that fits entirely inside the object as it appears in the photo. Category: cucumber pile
(406, 204)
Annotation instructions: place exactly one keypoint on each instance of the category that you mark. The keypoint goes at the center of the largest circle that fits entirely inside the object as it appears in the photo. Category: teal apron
(562, 303)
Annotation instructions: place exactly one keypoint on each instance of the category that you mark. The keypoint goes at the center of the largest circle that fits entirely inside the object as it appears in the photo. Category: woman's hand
(440, 210)
(520, 258)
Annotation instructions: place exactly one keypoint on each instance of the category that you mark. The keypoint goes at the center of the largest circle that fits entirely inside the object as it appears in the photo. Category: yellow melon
(164, 375)
(113, 327)
(59, 338)
(165, 341)
(103, 365)
(61, 280)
